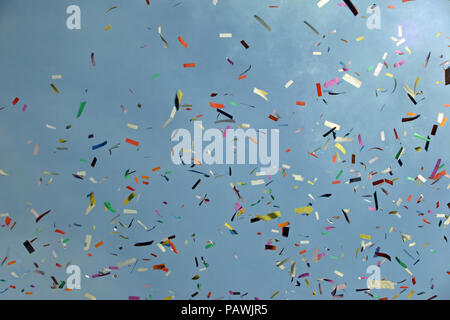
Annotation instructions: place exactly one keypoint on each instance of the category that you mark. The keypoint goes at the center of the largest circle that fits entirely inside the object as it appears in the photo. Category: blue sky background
(36, 44)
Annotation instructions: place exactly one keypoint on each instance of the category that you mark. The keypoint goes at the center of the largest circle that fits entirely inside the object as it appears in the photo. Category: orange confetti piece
(216, 105)
(60, 231)
(253, 140)
(242, 77)
(196, 161)
(319, 90)
(285, 224)
(189, 65)
(99, 244)
(134, 143)
(300, 103)
(156, 168)
(183, 43)
(11, 262)
(302, 252)
(173, 248)
(336, 182)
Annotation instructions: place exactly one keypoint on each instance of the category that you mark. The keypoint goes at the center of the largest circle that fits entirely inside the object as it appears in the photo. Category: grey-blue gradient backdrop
(36, 44)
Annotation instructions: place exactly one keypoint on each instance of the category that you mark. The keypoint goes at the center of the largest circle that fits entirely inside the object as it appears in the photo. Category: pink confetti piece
(331, 82)
(398, 64)
(36, 149)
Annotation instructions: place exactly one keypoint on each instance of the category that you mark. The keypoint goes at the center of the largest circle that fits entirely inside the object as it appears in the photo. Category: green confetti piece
(210, 245)
(167, 172)
(432, 250)
(81, 108)
(83, 160)
(334, 257)
(65, 240)
(376, 296)
(110, 208)
(399, 153)
(401, 263)
(339, 174)
(160, 221)
(420, 137)
(156, 75)
(234, 104)
(409, 178)
(325, 233)
(62, 285)
(369, 69)
(440, 167)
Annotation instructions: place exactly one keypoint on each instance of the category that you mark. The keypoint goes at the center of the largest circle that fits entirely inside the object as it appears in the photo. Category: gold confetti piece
(274, 294)
(54, 88)
(365, 236)
(306, 209)
(107, 27)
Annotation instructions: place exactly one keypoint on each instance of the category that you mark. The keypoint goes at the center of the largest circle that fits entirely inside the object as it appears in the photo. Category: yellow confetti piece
(389, 75)
(90, 296)
(438, 34)
(410, 294)
(340, 274)
(360, 38)
(341, 148)
(272, 215)
(169, 298)
(365, 236)
(108, 27)
(228, 226)
(306, 209)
